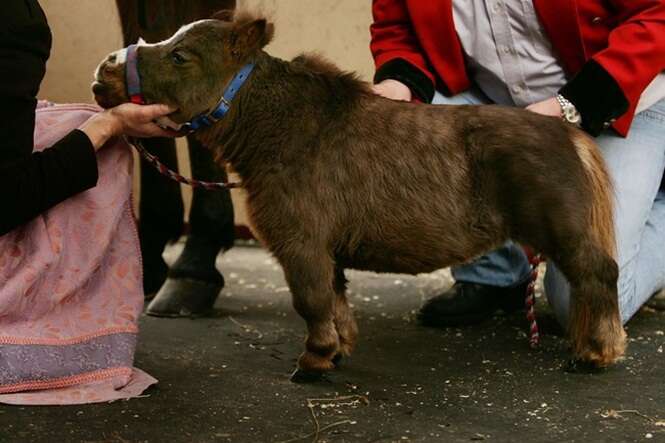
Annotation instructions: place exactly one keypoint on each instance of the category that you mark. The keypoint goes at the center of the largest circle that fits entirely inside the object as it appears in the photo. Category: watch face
(571, 115)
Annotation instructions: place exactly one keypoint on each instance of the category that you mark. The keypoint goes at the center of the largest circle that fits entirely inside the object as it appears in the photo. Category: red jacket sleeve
(612, 81)
(636, 50)
(396, 51)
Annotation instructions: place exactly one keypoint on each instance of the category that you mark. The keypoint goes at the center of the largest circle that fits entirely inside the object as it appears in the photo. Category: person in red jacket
(597, 65)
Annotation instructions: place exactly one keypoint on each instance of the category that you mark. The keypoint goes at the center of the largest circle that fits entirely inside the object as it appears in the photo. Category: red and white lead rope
(165, 171)
(534, 335)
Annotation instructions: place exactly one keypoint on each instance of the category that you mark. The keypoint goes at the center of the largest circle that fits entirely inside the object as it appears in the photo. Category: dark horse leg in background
(160, 213)
(192, 283)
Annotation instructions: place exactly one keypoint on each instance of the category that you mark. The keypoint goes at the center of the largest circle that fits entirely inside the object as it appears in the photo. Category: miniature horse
(337, 178)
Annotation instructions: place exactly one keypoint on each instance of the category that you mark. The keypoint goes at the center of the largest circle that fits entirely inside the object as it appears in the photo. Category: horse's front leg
(309, 273)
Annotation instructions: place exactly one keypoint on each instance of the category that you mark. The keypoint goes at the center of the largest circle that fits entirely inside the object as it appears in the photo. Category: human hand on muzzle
(126, 119)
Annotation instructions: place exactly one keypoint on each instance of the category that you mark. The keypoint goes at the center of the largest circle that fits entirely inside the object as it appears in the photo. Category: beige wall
(85, 31)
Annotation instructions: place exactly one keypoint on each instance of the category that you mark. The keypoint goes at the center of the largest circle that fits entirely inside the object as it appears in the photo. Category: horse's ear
(251, 36)
(225, 15)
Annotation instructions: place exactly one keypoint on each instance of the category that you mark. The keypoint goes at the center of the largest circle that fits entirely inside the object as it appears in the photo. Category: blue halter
(133, 83)
(224, 103)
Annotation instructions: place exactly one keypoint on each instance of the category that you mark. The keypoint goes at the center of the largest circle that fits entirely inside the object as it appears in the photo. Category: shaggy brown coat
(339, 178)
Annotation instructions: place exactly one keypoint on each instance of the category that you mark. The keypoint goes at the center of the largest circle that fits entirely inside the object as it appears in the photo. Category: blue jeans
(636, 165)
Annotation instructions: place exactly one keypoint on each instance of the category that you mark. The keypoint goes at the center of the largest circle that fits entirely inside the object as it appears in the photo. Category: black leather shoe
(657, 301)
(470, 303)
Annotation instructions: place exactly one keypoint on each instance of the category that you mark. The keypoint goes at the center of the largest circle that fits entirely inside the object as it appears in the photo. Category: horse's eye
(177, 58)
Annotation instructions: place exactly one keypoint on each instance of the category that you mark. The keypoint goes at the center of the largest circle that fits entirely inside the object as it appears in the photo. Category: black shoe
(657, 301)
(470, 303)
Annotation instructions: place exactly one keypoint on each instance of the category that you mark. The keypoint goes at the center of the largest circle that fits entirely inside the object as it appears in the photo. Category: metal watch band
(568, 111)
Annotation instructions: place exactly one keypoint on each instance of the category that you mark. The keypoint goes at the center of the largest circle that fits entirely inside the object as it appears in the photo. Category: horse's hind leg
(560, 203)
(595, 328)
(345, 322)
(193, 281)
(583, 253)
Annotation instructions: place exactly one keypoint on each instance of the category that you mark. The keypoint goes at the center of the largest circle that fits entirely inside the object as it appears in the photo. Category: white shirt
(509, 56)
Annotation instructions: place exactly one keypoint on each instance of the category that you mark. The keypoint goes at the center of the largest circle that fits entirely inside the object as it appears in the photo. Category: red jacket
(611, 50)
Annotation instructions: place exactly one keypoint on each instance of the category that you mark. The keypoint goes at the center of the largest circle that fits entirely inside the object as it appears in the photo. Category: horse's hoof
(184, 297)
(657, 302)
(577, 366)
(304, 376)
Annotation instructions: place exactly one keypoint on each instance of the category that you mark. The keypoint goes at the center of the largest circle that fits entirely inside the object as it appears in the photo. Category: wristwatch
(569, 112)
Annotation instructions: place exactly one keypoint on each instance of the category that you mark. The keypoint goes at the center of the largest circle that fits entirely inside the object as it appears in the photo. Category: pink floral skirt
(71, 286)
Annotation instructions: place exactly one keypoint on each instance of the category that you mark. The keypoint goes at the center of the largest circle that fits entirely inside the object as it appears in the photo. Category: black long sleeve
(31, 183)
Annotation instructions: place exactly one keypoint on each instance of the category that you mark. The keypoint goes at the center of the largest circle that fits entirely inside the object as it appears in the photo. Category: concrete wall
(85, 31)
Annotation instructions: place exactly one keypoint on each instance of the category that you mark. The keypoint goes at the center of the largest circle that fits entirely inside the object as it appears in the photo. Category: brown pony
(339, 178)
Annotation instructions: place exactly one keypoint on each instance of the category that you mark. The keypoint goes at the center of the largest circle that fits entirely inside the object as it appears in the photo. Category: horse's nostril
(112, 58)
(98, 88)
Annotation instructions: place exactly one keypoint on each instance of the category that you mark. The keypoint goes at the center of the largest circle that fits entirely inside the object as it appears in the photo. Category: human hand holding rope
(126, 119)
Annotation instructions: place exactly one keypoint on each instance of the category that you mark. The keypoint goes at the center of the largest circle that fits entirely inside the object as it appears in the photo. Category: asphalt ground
(226, 377)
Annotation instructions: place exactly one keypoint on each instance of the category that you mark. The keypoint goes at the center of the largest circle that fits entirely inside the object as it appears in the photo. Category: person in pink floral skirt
(70, 267)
